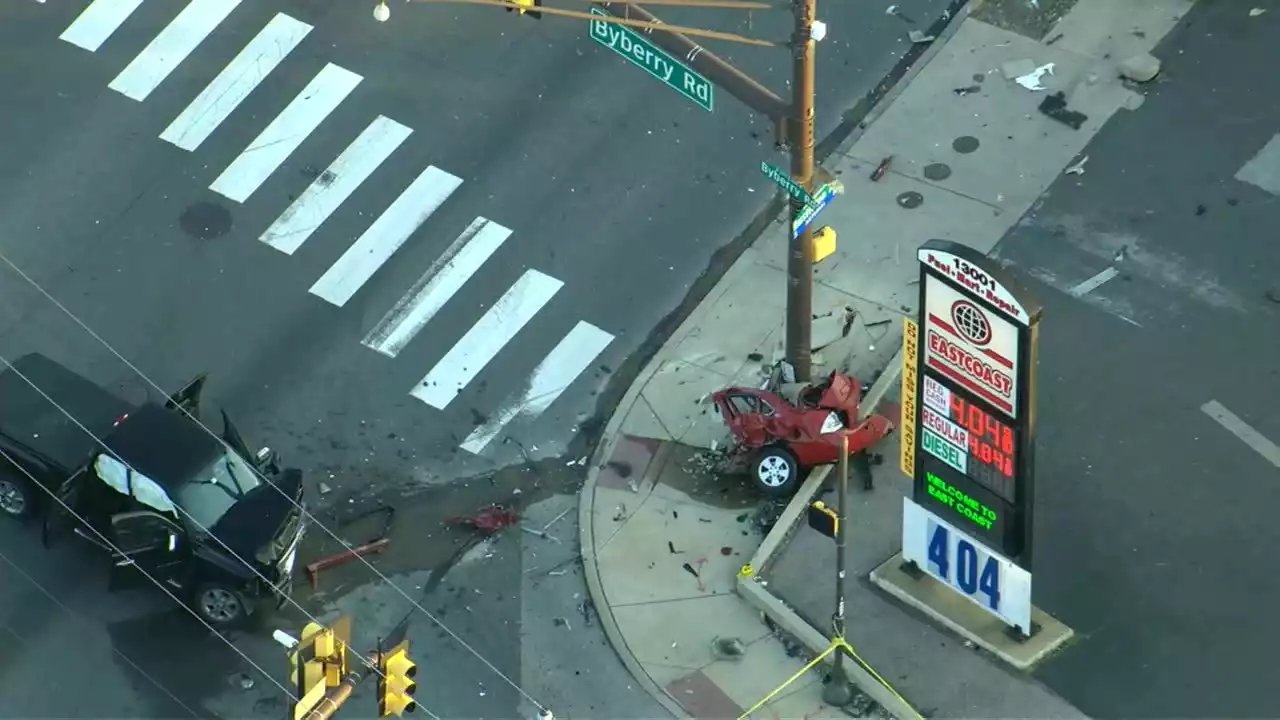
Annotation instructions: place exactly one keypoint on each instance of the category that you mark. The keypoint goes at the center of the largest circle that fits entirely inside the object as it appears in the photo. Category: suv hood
(262, 516)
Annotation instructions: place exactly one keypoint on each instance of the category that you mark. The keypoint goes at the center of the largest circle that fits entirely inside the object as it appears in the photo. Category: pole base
(837, 691)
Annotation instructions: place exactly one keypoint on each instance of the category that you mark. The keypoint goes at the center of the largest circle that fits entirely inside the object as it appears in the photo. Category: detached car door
(148, 548)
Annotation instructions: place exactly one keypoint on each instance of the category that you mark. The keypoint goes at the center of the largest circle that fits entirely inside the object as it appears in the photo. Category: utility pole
(838, 691)
(800, 259)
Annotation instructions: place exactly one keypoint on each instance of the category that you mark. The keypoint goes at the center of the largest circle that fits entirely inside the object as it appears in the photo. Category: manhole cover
(965, 144)
(937, 171)
(910, 199)
(205, 221)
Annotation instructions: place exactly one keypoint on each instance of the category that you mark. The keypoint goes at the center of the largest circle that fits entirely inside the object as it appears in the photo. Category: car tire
(220, 605)
(775, 471)
(17, 496)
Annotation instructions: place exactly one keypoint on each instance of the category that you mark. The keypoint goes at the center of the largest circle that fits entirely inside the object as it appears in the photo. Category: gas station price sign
(973, 398)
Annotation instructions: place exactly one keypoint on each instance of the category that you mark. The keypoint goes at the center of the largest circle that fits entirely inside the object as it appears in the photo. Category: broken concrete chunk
(1141, 68)
(1015, 69)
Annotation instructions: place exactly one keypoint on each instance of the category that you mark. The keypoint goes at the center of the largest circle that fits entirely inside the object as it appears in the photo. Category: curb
(754, 593)
(587, 545)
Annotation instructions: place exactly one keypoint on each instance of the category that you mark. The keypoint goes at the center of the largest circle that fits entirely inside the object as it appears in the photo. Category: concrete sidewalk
(971, 153)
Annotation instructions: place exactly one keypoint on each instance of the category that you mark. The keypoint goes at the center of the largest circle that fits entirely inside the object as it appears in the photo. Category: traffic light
(824, 519)
(395, 682)
(824, 243)
(307, 672)
(524, 8)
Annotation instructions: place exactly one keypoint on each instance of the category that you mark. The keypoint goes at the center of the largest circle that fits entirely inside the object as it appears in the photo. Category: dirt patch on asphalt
(1033, 18)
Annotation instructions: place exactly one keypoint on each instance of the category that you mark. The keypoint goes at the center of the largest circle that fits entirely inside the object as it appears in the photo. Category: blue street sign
(822, 198)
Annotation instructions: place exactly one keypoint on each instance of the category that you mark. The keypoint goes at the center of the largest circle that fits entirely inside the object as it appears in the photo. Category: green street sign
(784, 181)
(630, 45)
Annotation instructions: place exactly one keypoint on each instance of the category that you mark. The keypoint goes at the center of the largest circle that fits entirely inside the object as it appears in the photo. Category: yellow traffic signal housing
(395, 682)
(824, 243)
(824, 519)
(525, 6)
(306, 674)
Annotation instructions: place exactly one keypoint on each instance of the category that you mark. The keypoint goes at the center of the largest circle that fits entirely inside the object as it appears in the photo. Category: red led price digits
(997, 452)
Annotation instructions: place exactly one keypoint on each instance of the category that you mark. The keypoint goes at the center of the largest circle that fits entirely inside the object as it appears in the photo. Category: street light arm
(674, 40)
(641, 24)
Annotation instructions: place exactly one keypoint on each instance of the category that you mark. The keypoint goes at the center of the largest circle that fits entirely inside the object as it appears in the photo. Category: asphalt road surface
(1155, 501)
(414, 257)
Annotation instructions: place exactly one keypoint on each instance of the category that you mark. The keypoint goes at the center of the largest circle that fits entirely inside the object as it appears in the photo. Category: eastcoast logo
(971, 365)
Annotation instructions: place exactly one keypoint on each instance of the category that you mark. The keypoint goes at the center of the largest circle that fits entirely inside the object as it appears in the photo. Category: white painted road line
(438, 284)
(1263, 169)
(385, 236)
(171, 47)
(486, 338)
(222, 96)
(304, 114)
(557, 371)
(98, 22)
(1242, 430)
(1094, 282)
(335, 185)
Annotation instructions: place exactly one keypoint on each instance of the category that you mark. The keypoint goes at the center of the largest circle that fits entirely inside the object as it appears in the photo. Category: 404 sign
(994, 583)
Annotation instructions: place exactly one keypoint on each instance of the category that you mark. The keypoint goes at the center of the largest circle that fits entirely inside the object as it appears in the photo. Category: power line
(345, 545)
(101, 442)
(71, 613)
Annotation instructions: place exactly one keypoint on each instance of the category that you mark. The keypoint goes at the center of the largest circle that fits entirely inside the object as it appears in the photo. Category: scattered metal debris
(919, 38)
(672, 547)
(1078, 168)
(562, 622)
(1055, 106)
(1031, 80)
(487, 520)
(962, 91)
(541, 533)
(881, 169)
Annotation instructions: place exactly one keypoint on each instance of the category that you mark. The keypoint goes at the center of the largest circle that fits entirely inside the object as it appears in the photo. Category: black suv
(172, 501)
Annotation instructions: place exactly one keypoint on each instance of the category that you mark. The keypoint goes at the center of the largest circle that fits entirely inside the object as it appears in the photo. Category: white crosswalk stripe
(225, 93)
(335, 185)
(464, 361)
(557, 371)
(97, 23)
(385, 236)
(465, 259)
(171, 47)
(446, 276)
(278, 141)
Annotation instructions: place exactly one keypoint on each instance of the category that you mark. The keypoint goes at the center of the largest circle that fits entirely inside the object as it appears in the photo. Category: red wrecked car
(788, 434)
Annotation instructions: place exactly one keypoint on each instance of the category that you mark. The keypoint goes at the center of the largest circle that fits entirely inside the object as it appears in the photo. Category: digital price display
(978, 443)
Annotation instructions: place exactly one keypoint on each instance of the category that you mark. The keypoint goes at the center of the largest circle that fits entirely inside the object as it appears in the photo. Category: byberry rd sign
(824, 197)
(629, 44)
(784, 181)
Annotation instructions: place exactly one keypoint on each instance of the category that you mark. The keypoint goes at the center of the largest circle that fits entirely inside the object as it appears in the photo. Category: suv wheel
(16, 498)
(220, 605)
(775, 471)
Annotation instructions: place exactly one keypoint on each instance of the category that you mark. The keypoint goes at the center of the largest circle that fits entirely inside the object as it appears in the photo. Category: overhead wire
(368, 665)
(301, 507)
(78, 618)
